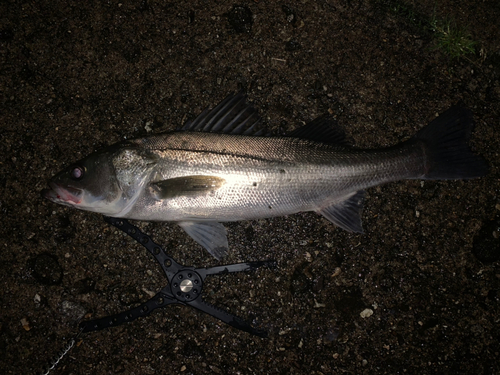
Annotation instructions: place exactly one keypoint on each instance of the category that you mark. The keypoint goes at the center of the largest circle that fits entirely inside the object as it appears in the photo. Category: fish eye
(77, 173)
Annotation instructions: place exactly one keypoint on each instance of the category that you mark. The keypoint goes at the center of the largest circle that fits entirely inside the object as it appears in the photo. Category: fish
(220, 167)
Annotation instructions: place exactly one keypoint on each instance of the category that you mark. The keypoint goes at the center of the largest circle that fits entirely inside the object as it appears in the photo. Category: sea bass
(218, 168)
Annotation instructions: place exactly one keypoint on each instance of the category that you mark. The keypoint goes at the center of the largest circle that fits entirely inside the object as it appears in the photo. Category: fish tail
(448, 155)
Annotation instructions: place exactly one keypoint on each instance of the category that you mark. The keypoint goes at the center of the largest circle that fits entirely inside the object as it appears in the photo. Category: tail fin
(448, 155)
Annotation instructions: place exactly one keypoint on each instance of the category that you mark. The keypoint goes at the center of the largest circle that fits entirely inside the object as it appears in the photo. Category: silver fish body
(201, 178)
(260, 176)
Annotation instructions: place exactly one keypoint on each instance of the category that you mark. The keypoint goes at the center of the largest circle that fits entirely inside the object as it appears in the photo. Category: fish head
(89, 184)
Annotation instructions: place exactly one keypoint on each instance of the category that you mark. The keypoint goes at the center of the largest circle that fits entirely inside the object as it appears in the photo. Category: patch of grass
(454, 41)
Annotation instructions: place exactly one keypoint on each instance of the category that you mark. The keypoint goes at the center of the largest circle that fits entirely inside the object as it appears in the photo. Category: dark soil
(77, 76)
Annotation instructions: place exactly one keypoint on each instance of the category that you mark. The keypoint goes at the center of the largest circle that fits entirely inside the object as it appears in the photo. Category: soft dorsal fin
(322, 129)
(231, 116)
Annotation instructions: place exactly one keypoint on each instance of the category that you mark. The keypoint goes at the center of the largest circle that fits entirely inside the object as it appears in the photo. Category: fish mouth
(63, 194)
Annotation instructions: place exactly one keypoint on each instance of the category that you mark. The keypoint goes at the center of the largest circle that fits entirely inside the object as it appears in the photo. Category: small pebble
(366, 313)
(26, 324)
(336, 272)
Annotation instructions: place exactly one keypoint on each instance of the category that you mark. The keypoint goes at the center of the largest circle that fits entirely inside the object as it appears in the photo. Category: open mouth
(63, 195)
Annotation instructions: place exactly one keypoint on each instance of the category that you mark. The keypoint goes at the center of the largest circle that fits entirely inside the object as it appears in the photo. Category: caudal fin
(448, 155)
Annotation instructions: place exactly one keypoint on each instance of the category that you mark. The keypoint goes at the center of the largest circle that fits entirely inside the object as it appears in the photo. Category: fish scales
(265, 176)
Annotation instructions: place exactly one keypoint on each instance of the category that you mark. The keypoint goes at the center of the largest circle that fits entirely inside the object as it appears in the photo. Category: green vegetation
(451, 39)
(454, 41)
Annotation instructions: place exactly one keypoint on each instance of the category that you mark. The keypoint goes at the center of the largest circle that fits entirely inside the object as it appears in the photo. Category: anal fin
(209, 234)
(347, 213)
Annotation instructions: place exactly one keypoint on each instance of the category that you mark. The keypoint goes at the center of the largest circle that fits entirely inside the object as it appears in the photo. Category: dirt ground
(77, 76)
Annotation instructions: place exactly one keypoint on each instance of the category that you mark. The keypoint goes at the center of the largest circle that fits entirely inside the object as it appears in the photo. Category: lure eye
(77, 173)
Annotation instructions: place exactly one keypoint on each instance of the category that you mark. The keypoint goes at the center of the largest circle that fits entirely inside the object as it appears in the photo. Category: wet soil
(417, 293)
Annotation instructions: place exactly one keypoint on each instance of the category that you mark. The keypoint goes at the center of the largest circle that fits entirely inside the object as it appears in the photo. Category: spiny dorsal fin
(322, 129)
(231, 116)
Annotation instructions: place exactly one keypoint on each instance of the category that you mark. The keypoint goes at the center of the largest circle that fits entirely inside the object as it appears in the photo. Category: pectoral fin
(185, 186)
(209, 234)
(347, 213)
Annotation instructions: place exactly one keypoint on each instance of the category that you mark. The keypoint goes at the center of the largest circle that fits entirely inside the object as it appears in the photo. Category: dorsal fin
(231, 116)
(321, 129)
